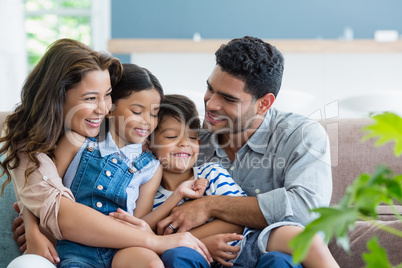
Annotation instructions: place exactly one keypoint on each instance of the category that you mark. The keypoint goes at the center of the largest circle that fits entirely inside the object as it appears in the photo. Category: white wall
(13, 62)
(316, 85)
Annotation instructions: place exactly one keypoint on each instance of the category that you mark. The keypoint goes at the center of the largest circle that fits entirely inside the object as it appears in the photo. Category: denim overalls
(100, 183)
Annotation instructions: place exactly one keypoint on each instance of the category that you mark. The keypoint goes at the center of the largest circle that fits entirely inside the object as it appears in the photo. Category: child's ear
(109, 114)
(111, 111)
(199, 141)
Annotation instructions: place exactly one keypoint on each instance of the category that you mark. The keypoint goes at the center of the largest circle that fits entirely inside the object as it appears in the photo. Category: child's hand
(129, 219)
(39, 244)
(219, 248)
(192, 188)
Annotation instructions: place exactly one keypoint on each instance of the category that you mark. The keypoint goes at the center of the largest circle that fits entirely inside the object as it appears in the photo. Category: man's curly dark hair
(257, 63)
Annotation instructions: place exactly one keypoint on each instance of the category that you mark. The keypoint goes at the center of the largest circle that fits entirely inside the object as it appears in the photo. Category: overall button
(114, 160)
(232, 168)
(99, 187)
(108, 173)
(257, 191)
(99, 204)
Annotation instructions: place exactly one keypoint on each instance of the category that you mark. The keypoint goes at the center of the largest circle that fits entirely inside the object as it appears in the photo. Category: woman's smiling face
(87, 104)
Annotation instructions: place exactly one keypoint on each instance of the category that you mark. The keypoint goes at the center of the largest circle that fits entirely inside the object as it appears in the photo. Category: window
(49, 20)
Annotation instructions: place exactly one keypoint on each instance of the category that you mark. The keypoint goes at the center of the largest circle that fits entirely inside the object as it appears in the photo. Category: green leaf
(377, 256)
(386, 128)
(333, 222)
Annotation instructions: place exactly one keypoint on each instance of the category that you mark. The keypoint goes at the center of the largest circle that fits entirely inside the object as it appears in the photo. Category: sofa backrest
(351, 157)
(3, 116)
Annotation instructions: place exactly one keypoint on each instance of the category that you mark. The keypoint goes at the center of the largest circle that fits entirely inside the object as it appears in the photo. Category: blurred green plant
(49, 20)
(361, 200)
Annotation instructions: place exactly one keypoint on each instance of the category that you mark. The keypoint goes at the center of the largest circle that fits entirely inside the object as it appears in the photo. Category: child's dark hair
(135, 79)
(181, 108)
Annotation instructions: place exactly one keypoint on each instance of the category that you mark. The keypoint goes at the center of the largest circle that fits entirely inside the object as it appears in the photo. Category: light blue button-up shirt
(285, 163)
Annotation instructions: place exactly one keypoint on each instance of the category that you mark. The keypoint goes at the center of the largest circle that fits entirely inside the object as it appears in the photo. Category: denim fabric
(276, 259)
(183, 257)
(100, 183)
(74, 255)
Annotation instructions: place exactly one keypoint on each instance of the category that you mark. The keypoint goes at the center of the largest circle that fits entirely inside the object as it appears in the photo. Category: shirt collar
(259, 140)
(108, 147)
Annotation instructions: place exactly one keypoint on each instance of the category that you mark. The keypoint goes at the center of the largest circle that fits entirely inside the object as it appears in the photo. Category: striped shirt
(220, 183)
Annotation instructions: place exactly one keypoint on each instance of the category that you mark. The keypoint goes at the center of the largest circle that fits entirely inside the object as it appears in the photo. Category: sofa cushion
(363, 232)
(8, 248)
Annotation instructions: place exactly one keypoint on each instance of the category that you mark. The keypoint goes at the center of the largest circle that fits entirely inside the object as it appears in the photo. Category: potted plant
(361, 200)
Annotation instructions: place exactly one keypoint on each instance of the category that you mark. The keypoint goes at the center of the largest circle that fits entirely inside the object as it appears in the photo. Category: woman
(68, 89)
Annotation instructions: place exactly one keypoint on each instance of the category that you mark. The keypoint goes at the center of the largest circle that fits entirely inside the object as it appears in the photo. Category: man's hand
(18, 229)
(219, 248)
(129, 219)
(185, 217)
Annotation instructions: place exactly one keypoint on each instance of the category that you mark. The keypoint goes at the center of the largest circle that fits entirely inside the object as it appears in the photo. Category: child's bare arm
(216, 226)
(146, 195)
(188, 189)
(67, 147)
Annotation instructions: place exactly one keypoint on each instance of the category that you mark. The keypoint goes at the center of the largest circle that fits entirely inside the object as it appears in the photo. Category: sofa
(349, 158)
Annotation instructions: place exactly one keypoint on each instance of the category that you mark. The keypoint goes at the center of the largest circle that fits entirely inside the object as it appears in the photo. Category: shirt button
(257, 191)
(99, 187)
(108, 173)
(114, 160)
(232, 168)
(44, 178)
(99, 204)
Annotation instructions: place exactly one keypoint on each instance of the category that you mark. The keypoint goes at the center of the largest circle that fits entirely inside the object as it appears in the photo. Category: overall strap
(144, 159)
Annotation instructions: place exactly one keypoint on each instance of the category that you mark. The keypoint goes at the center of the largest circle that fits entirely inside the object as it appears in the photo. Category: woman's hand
(219, 248)
(185, 239)
(38, 244)
(192, 188)
(129, 219)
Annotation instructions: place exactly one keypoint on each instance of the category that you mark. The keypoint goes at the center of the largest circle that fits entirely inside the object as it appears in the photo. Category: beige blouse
(42, 193)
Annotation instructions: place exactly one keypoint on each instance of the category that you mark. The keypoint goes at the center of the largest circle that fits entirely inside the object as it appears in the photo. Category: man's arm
(225, 200)
(239, 210)
(305, 180)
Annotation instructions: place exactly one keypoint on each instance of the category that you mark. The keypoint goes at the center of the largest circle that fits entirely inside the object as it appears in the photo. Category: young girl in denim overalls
(115, 173)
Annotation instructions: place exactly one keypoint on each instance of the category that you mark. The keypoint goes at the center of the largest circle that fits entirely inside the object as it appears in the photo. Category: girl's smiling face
(175, 145)
(135, 117)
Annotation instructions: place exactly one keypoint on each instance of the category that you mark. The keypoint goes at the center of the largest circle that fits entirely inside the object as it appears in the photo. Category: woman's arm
(37, 243)
(84, 225)
(46, 197)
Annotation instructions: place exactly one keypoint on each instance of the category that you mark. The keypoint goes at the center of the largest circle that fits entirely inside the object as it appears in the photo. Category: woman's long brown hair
(36, 124)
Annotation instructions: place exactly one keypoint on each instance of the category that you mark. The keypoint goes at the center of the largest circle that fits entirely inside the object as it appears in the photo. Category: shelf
(128, 46)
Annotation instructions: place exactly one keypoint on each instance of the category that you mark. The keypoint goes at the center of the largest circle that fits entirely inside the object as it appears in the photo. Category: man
(281, 160)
